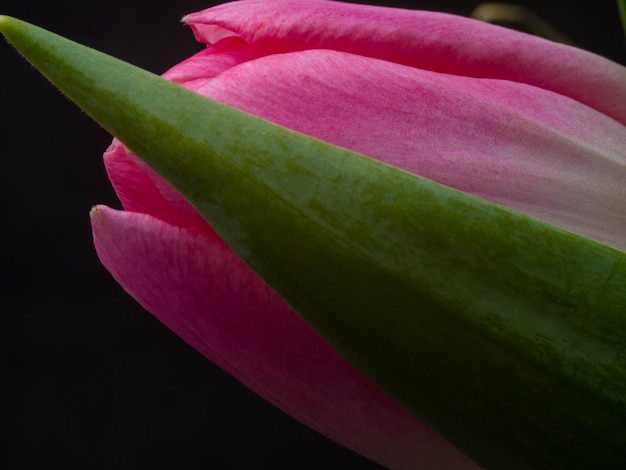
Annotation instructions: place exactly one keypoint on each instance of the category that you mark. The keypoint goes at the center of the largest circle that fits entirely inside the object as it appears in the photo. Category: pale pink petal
(427, 40)
(524, 147)
(195, 285)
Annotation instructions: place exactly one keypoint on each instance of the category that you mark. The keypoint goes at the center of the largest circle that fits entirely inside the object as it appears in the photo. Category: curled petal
(198, 287)
(212, 61)
(427, 40)
(142, 190)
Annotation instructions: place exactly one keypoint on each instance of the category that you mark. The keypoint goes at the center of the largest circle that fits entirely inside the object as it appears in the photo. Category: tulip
(519, 135)
(542, 134)
(432, 94)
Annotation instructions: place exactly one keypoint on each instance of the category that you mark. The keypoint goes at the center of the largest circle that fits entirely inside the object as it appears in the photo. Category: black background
(91, 380)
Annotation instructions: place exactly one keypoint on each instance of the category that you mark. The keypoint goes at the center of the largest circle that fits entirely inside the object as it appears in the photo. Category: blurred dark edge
(91, 380)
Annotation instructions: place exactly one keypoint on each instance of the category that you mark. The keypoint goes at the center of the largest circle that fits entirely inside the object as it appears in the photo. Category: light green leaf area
(504, 333)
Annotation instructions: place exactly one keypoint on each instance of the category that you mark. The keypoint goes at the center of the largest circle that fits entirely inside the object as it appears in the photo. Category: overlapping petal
(540, 134)
(426, 40)
(224, 311)
(511, 143)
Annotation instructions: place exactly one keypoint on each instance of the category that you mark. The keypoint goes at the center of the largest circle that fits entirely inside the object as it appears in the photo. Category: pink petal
(141, 189)
(511, 143)
(195, 285)
(213, 60)
(426, 40)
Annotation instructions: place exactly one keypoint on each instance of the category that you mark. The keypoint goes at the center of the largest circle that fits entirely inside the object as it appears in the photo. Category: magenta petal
(142, 190)
(196, 286)
(212, 61)
(426, 40)
(507, 142)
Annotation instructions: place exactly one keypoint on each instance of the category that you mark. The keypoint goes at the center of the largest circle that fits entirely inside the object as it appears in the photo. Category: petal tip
(95, 211)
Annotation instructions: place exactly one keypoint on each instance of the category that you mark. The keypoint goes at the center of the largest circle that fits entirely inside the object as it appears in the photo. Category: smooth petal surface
(427, 40)
(511, 143)
(227, 313)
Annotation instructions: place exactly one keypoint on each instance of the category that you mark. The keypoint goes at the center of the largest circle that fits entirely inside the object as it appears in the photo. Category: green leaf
(506, 334)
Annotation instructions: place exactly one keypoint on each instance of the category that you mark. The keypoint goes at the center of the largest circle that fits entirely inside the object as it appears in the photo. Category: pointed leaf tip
(4, 22)
(7, 23)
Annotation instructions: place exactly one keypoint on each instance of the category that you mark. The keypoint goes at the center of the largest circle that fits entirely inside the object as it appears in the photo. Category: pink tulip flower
(520, 121)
